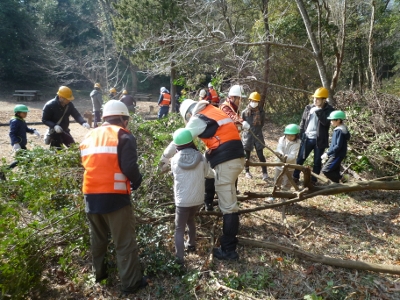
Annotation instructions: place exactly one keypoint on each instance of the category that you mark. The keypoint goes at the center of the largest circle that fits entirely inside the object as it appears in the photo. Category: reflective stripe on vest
(226, 131)
(100, 160)
(166, 99)
(214, 96)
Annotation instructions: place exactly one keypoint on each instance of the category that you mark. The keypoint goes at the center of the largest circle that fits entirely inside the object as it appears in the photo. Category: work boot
(265, 176)
(142, 284)
(225, 255)
(248, 175)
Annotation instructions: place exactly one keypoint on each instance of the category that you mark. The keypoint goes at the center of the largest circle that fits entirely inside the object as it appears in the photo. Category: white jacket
(288, 148)
(189, 168)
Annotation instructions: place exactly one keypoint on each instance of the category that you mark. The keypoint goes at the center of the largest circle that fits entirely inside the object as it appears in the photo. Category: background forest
(282, 49)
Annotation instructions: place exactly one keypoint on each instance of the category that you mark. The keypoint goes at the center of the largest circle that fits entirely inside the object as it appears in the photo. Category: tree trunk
(173, 87)
(264, 91)
(371, 46)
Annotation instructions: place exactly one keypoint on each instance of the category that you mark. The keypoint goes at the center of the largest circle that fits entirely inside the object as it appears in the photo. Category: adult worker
(314, 132)
(55, 115)
(113, 95)
(226, 156)
(212, 95)
(128, 100)
(97, 101)
(164, 102)
(109, 156)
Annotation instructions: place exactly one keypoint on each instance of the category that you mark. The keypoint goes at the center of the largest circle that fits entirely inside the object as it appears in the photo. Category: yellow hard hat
(113, 90)
(125, 92)
(321, 93)
(65, 92)
(255, 96)
(97, 85)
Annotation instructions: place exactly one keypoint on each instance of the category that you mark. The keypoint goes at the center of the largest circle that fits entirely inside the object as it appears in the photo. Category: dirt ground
(35, 116)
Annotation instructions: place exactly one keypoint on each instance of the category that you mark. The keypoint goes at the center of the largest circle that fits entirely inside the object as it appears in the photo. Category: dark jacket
(53, 111)
(128, 100)
(127, 160)
(97, 99)
(248, 139)
(323, 123)
(18, 130)
(338, 146)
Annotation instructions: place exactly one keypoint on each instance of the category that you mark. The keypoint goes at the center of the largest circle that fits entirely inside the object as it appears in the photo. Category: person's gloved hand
(58, 129)
(324, 157)
(86, 125)
(279, 155)
(37, 133)
(16, 147)
(163, 165)
(246, 125)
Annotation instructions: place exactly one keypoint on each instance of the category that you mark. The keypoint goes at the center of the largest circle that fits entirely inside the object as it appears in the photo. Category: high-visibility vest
(100, 160)
(214, 96)
(166, 99)
(226, 128)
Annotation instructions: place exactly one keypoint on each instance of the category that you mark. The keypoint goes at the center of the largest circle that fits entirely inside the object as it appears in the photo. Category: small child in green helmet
(189, 168)
(337, 149)
(287, 150)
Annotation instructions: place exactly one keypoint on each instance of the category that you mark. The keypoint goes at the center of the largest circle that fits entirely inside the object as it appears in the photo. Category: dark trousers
(261, 157)
(163, 112)
(306, 147)
(61, 138)
(331, 168)
(97, 118)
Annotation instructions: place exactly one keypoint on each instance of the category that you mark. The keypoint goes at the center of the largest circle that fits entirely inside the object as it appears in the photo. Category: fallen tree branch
(348, 264)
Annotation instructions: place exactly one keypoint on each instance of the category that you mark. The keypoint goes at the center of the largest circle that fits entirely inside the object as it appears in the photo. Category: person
(254, 115)
(203, 95)
(314, 132)
(113, 95)
(128, 100)
(189, 168)
(338, 147)
(18, 130)
(226, 156)
(97, 101)
(212, 95)
(109, 157)
(55, 115)
(164, 102)
(287, 149)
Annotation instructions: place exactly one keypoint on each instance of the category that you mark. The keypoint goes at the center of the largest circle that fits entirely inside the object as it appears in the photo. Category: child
(18, 130)
(255, 116)
(288, 147)
(338, 147)
(190, 168)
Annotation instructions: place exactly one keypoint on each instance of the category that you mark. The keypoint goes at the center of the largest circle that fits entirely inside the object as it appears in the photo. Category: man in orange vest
(212, 95)
(226, 156)
(164, 102)
(109, 157)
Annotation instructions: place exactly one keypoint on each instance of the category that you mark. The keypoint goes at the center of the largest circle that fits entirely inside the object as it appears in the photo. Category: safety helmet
(125, 92)
(115, 108)
(292, 129)
(185, 105)
(210, 85)
(255, 96)
(65, 92)
(163, 90)
(202, 94)
(113, 90)
(97, 85)
(21, 108)
(337, 115)
(321, 93)
(182, 136)
(236, 90)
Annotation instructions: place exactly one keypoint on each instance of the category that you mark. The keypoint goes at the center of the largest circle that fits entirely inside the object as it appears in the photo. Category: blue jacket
(338, 146)
(18, 130)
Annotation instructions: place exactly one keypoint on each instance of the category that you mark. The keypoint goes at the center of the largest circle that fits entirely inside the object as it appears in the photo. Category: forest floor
(359, 226)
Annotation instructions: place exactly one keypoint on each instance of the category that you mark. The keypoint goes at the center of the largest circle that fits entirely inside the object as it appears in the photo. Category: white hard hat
(203, 93)
(210, 85)
(115, 108)
(236, 90)
(163, 90)
(183, 109)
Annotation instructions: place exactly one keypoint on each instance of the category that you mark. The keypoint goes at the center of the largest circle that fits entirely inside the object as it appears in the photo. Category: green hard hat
(337, 114)
(21, 108)
(292, 129)
(182, 136)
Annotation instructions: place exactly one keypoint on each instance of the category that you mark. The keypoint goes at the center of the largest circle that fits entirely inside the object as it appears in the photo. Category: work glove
(86, 125)
(324, 157)
(16, 147)
(163, 165)
(58, 129)
(246, 125)
(279, 155)
(35, 132)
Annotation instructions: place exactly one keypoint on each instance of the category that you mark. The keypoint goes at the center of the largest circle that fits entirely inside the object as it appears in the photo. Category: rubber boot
(228, 240)
(209, 194)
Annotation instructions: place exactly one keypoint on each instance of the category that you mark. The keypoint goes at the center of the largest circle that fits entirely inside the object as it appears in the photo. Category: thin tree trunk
(371, 46)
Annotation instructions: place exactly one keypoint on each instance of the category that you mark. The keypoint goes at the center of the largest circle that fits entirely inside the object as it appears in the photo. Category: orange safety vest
(100, 160)
(214, 96)
(226, 131)
(166, 99)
